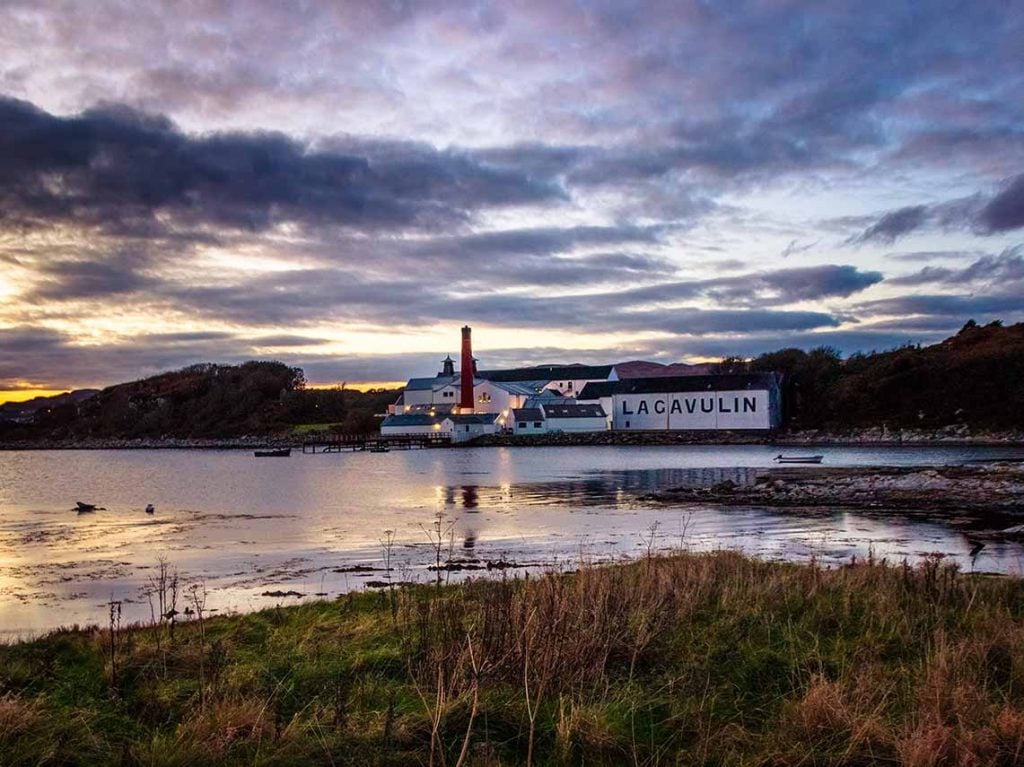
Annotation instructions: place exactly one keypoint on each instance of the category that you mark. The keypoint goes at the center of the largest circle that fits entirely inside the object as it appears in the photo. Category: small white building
(470, 426)
(558, 415)
(574, 417)
(459, 427)
(406, 424)
(528, 420)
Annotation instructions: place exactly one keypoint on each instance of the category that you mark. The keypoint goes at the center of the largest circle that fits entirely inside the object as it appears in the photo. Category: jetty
(374, 443)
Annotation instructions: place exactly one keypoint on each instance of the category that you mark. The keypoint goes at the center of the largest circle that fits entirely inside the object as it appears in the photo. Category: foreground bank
(695, 659)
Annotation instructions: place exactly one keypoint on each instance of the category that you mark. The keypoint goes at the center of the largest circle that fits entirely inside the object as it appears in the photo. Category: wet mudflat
(270, 531)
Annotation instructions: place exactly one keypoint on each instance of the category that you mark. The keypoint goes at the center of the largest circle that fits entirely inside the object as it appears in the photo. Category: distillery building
(469, 402)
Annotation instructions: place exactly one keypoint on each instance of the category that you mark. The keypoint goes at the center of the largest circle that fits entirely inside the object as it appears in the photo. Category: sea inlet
(260, 532)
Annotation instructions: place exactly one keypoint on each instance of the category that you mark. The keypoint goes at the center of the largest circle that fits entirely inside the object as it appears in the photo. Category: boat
(380, 449)
(798, 458)
(283, 452)
(85, 508)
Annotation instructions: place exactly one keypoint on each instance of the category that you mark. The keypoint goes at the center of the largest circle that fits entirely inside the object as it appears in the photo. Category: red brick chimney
(467, 372)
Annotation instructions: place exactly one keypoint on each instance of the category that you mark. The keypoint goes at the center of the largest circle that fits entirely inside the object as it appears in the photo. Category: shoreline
(947, 437)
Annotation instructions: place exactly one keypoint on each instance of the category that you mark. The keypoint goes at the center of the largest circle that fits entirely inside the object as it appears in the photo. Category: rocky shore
(153, 443)
(881, 436)
(989, 488)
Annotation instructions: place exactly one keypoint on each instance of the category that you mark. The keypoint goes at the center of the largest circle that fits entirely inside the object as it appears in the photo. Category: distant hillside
(643, 369)
(974, 378)
(26, 411)
(204, 401)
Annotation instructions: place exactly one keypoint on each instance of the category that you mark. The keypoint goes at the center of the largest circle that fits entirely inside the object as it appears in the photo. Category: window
(568, 386)
(627, 424)
(536, 424)
(522, 424)
(484, 397)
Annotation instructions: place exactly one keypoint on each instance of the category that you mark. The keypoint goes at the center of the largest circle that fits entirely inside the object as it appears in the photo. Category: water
(244, 526)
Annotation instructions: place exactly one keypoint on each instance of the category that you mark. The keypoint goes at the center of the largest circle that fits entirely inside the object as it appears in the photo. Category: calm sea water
(244, 526)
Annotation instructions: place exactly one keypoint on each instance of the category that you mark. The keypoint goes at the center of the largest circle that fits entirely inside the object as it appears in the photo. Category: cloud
(120, 169)
(1000, 272)
(1005, 211)
(999, 213)
(895, 224)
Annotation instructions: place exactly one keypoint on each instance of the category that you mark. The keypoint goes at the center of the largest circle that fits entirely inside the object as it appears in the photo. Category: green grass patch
(691, 659)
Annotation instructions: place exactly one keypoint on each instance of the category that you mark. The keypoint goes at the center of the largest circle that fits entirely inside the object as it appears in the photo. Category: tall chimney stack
(467, 372)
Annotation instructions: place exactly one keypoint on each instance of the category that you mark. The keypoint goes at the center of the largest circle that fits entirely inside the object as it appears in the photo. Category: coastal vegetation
(975, 378)
(682, 659)
(205, 401)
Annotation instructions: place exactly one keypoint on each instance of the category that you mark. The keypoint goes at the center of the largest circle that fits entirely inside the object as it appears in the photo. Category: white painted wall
(529, 428)
(463, 431)
(577, 424)
(394, 431)
(746, 409)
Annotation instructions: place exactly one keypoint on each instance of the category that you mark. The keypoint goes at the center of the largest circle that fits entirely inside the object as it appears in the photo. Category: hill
(203, 401)
(975, 378)
(644, 369)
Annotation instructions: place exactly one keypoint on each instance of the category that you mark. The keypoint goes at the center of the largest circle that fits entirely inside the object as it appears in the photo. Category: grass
(314, 429)
(692, 659)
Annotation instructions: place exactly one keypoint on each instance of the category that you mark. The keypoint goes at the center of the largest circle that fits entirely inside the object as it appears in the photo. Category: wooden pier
(358, 443)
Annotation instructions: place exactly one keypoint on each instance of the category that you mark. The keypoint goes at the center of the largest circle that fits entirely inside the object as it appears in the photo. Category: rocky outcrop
(991, 487)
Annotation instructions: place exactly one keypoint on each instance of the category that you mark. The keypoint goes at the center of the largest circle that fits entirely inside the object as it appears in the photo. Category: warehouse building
(555, 415)
(746, 401)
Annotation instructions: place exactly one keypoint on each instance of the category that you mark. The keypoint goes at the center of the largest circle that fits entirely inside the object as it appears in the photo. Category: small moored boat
(283, 452)
(798, 458)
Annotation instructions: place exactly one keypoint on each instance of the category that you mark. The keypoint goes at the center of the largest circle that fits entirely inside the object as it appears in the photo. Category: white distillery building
(555, 416)
(459, 427)
(745, 401)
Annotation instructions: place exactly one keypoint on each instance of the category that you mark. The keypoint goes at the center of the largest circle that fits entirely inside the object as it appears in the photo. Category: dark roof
(733, 382)
(412, 419)
(483, 418)
(573, 411)
(422, 384)
(549, 373)
(527, 414)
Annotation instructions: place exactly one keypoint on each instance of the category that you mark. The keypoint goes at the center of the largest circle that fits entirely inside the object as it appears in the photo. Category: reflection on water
(245, 527)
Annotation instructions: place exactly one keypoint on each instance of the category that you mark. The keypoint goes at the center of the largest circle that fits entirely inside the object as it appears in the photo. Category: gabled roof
(525, 388)
(733, 382)
(527, 414)
(473, 418)
(573, 411)
(433, 384)
(575, 372)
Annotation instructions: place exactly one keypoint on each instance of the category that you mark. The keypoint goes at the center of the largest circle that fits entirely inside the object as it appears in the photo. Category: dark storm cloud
(64, 280)
(999, 213)
(895, 224)
(315, 295)
(1001, 271)
(118, 168)
(962, 306)
(1005, 211)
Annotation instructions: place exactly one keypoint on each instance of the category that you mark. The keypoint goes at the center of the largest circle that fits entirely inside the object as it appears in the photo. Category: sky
(341, 186)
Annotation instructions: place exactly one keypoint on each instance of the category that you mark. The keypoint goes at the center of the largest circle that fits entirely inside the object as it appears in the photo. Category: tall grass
(690, 659)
